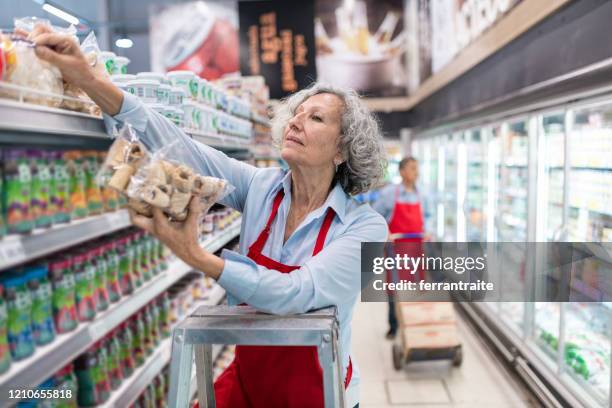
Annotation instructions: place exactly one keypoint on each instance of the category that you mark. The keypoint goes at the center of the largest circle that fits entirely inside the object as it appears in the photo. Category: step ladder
(242, 325)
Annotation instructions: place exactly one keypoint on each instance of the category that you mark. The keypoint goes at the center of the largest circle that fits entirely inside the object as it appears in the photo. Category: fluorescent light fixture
(124, 43)
(60, 13)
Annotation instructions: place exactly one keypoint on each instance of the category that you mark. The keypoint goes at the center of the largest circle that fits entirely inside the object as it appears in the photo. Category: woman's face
(312, 135)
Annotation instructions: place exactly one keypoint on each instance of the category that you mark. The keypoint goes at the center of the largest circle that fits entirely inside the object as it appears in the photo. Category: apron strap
(329, 217)
(261, 240)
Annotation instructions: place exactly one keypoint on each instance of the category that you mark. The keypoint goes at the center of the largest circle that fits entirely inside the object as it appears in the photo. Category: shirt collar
(336, 199)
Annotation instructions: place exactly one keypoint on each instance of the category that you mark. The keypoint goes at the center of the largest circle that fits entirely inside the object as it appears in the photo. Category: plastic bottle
(160, 391)
(84, 275)
(126, 355)
(78, 184)
(156, 323)
(112, 271)
(19, 307)
(138, 339)
(2, 212)
(64, 292)
(152, 249)
(41, 189)
(85, 370)
(114, 359)
(134, 248)
(103, 383)
(59, 199)
(161, 255)
(5, 352)
(145, 259)
(92, 190)
(17, 191)
(100, 285)
(163, 303)
(43, 328)
(147, 321)
(66, 381)
(125, 266)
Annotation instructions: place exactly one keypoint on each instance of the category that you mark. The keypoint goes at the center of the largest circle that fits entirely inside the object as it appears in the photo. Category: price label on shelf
(117, 218)
(12, 252)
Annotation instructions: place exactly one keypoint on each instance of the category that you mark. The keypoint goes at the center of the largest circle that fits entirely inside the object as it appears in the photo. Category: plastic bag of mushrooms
(157, 180)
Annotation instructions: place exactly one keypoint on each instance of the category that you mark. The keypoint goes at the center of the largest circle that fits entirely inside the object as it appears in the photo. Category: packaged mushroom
(158, 180)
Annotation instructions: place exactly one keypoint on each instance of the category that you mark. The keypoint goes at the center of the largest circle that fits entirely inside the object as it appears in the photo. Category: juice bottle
(78, 184)
(138, 342)
(147, 321)
(59, 200)
(145, 260)
(2, 212)
(86, 374)
(126, 355)
(156, 327)
(112, 271)
(43, 328)
(66, 381)
(125, 266)
(84, 275)
(163, 303)
(100, 285)
(5, 352)
(113, 348)
(110, 197)
(41, 189)
(103, 383)
(64, 292)
(19, 308)
(160, 391)
(134, 248)
(17, 191)
(92, 190)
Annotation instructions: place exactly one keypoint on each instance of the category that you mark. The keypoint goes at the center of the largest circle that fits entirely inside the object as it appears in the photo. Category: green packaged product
(19, 316)
(60, 188)
(2, 212)
(163, 303)
(153, 259)
(66, 384)
(112, 271)
(84, 276)
(145, 257)
(93, 192)
(41, 189)
(86, 373)
(134, 248)
(95, 256)
(17, 191)
(103, 383)
(151, 394)
(160, 391)
(161, 256)
(43, 328)
(126, 337)
(64, 295)
(78, 184)
(154, 309)
(114, 359)
(125, 266)
(139, 338)
(5, 352)
(149, 341)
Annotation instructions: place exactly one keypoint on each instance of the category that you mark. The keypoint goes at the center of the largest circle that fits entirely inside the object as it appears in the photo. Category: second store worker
(301, 231)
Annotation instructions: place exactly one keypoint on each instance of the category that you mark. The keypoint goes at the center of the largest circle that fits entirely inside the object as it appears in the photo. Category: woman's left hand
(180, 237)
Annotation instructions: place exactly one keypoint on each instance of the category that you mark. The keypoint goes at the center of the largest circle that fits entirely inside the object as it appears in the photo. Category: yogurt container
(145, 89)
(179, 117)
(121, 64)
(163, 94)
(108, 58)
(176, 96)
(205, 125)
(186, 80)
(192, 115)
(203, 91)
(169, 112)
(154, 75)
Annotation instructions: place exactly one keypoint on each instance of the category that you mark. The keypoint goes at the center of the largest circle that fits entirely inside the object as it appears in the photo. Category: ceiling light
(60, 13)
(124, 43)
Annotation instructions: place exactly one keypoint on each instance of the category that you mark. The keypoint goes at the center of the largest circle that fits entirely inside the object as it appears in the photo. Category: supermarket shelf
(219, 141)
(17, 249)
(261, 120)
(141, 378)
(48, 359)
(41, 120)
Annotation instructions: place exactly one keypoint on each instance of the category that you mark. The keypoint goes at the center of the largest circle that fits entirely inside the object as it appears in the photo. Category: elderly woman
(301, 232)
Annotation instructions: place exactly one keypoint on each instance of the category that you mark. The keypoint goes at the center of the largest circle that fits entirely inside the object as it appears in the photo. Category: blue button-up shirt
(333, 277)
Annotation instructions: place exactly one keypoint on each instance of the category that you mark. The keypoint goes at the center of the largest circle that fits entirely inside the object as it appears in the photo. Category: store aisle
(479, 382)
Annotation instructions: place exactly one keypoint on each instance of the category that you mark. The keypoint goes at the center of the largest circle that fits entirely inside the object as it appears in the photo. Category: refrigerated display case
(448, 187)
(545, 176)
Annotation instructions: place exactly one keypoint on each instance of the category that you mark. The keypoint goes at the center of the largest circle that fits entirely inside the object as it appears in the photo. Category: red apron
(407, 220)
(269, 376)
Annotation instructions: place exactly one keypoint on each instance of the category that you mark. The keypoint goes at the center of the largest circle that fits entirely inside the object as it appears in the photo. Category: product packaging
(40, 202)
(64, 292)
(86, 368)
(5, 352)
(84, 276)
(43, 328)
(78, 184)
(59, 196)
(17, 191)
(19, 308)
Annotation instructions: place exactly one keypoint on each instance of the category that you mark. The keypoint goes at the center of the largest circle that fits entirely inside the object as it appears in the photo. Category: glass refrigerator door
(511, 216)
(428, 181)
(448, 190)
(471, 185)
(590, 175)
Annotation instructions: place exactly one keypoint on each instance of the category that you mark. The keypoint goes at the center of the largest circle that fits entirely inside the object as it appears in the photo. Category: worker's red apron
(407, 222)
(269, 376)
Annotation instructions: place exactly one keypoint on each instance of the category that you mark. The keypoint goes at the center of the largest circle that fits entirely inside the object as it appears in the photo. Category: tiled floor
(479, 382)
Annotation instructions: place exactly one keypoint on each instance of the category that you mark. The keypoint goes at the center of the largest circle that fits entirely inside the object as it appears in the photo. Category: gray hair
(360, 138)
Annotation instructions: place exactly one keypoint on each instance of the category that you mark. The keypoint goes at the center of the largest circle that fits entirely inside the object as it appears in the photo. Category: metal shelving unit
(49, 359)
(219, 141)
(139, 380)
(17, 249)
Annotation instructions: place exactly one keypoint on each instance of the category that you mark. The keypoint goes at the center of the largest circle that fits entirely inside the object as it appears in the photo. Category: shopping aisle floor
(480, 382)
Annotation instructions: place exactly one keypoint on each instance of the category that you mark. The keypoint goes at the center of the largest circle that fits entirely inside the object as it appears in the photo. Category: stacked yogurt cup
(191, 102)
